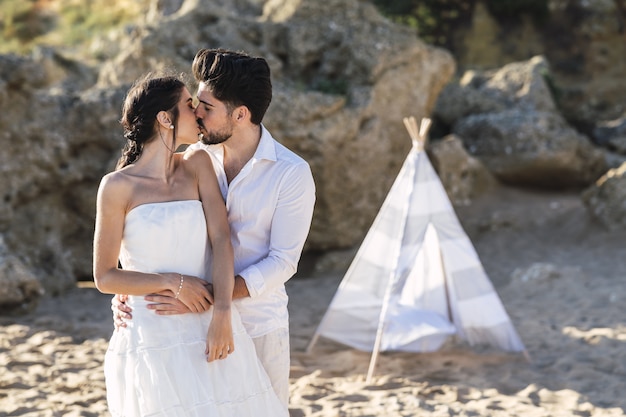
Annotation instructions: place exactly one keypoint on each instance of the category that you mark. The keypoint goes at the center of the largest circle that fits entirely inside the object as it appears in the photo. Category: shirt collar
(266, 148)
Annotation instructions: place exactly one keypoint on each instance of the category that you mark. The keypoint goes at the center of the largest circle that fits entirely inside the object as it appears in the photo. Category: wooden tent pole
(418, 137)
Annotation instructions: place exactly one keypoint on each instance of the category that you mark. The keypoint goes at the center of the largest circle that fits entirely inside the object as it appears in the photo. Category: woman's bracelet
(180, 286)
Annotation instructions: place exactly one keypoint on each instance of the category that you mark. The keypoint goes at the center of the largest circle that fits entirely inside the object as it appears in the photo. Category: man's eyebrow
(204, 102)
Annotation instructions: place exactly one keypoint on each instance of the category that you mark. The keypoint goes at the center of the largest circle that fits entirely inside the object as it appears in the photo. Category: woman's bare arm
(111, 209)
(220, 338)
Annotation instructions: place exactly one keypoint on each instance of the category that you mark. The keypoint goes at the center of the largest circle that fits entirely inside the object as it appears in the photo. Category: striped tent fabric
(416, 278)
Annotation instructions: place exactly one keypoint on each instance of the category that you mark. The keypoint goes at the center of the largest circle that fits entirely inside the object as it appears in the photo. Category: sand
(559, 274)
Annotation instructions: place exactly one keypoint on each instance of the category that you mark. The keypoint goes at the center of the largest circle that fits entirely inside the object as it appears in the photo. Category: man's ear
(241, 113)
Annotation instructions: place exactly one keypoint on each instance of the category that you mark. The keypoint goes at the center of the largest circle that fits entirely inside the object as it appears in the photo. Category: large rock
(20, 289)
(352, 136)
(508, 119)
(463, 176)
(531, 148)
(520, 84)
(582, 40)
(57, 142)
(606, 199)
(344, 77)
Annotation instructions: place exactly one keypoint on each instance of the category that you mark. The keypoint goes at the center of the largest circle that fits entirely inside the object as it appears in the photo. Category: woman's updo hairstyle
(146, 98)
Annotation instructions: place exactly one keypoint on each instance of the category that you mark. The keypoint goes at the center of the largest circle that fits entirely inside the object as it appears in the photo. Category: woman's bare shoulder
(196, 154)
(197, 159)
(119, 178)
(117, 184)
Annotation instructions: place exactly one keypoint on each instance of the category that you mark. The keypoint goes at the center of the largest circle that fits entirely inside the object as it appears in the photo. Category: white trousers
(273, 351)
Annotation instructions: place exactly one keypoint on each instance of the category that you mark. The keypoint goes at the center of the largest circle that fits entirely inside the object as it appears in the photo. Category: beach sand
(559, 274)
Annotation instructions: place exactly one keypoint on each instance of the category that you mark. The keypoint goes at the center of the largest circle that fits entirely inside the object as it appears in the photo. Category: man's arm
(290, 226)
(241, 289)
(164, 304)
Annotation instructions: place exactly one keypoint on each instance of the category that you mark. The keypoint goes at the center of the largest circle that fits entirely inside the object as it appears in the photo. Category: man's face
(213, 117)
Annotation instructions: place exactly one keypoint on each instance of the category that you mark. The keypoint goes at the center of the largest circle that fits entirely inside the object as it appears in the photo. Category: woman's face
(187, 130)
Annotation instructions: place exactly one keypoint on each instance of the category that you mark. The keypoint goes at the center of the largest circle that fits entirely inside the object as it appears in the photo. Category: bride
(162, 216)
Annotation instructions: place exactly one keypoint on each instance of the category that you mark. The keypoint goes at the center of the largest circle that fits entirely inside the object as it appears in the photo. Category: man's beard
(214, 138)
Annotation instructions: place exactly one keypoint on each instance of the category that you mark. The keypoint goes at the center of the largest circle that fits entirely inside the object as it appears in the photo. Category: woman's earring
(171, 126)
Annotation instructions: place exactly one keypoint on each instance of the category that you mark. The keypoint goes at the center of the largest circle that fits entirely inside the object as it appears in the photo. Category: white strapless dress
(156, 366)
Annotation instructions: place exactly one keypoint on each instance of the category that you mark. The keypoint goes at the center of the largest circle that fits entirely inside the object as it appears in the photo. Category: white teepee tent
(416, 279)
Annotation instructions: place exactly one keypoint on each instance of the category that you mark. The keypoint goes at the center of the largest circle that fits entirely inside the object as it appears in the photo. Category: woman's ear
(164, 120)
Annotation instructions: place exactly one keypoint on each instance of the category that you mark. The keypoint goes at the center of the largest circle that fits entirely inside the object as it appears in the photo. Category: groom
(269, 194)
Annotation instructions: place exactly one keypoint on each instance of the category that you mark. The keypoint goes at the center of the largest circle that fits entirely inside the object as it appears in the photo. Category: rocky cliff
(584, 41)
(344, 77)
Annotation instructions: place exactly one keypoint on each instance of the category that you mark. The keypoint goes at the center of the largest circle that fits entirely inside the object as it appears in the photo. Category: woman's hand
(219, 341)
(191, 291)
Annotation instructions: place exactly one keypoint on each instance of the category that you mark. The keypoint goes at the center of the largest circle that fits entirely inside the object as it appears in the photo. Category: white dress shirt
(270, 207)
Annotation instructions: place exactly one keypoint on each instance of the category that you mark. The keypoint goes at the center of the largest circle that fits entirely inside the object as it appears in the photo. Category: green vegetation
(335, 87)
(27, 23)
(512, 9)
(435, 20)
(19, 23)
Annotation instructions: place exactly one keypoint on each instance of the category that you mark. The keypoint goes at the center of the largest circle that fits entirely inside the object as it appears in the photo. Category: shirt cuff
(254, 281)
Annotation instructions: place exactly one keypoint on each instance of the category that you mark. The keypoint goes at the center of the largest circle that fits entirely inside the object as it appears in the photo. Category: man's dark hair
(235, 78)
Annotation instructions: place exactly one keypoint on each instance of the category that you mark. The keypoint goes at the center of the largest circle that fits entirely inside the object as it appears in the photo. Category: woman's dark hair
(236, 79)
(146, 98)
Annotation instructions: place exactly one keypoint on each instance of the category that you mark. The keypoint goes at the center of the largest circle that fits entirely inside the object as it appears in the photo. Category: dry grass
(25, 24)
